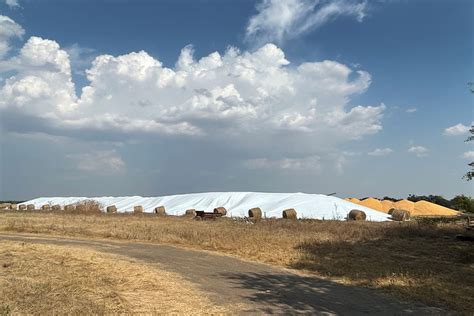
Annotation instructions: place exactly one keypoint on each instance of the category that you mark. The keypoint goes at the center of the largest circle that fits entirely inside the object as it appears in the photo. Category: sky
(358, 98)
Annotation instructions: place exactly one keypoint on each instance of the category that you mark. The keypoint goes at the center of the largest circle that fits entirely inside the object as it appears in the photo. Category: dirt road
(261, 288)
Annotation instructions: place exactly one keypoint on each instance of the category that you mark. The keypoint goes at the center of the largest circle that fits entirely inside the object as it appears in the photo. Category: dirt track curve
(262, 288)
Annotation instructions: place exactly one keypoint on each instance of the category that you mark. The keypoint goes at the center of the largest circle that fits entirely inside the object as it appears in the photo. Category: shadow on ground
(290, 293)
(416, 263)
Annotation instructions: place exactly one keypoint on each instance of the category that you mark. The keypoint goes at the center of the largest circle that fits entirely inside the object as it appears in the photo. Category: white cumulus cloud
(8, 29)
(381, 152)
(233, 98)
(312, 164)
(279, 20)
(468, 155)
(456, 130)
(419, 151)
(12, 3)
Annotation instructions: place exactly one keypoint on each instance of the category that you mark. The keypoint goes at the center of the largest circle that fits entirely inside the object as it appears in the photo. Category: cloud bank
(234, 99)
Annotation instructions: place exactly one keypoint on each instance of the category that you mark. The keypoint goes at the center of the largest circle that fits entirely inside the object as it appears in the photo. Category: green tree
(463, 203)
(470, 174)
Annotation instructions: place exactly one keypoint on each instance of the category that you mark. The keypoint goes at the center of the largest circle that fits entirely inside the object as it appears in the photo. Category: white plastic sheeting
(316, 206)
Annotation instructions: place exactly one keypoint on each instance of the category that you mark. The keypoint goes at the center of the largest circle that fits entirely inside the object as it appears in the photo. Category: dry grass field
(36, 279)
(410, 260)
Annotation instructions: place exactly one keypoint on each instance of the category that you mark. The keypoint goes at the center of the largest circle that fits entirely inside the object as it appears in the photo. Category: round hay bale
(400, 215)
(22, 207)
(70, 208)
(81, 208)
(190, 212)
(56, 207)
(220, 210)
(111, 209)
(46, 207)
(30, 207)
(13, 207)
(255, 213)
(5, 206)
(356, 215)
(289, 213)
(138, 209)
(160, 210)
(390, 211)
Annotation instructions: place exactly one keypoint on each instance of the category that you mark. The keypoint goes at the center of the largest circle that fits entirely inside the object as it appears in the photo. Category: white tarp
(315, 206)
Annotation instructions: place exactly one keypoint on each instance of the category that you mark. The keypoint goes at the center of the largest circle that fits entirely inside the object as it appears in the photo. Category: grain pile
(372, 203)
(387, 205)
(353, 200)
(405, 205)
(420, 208)
(427, 208)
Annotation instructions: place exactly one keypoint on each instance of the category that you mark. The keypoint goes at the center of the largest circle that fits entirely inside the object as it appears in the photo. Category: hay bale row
(56, 207)
(30, 207)
(138, 209)
(22, 207)
(46, 207)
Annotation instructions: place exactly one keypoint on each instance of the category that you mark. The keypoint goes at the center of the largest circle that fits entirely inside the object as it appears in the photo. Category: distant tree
(463, 203)
(436, 199)
(470, 174)
(390, 199)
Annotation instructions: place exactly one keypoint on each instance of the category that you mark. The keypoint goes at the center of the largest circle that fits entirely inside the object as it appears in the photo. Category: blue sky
(359, 98)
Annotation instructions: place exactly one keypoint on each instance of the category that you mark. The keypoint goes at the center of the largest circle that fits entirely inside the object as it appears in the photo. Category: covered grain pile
(220, 210)
(159, 210)
(289, 213)
(356, 215)
(255, 213)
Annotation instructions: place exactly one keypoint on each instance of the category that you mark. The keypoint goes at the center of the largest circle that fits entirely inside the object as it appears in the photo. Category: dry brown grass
(41, 279)
(420, 262)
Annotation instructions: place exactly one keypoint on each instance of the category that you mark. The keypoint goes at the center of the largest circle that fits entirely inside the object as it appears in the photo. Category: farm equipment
(203, 215)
